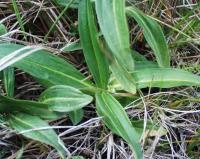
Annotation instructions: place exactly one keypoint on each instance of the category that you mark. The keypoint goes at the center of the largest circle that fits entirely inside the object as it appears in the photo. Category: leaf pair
(54, 102)
(114, 115)
(113, 23)
(51, 73)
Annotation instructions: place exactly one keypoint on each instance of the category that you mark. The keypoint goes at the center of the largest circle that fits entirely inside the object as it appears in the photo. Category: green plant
(114, 67)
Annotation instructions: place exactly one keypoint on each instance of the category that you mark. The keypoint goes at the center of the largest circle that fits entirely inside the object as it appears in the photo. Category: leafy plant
(113, 65)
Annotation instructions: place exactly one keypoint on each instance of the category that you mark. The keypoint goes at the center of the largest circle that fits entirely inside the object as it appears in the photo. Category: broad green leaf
(94, 56)
(117, 120)
(153, 34)
(48, 68)
(160, 77)
(113, 24)
(9, 105)
(62, 98)
(164, 78)
(24, 122)
(18, 55)
(76, 116)
(123, 77)
(9, 81)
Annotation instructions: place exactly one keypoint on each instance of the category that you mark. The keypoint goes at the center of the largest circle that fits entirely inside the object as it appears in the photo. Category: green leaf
(62, 98)
(76, 116)
(9, 105)
(8, 74)
(151, 129)
(123, 77)
(137, 56)
(49, 69)
(18, 16)
(20, 153)
(164, 78)
(73, 46)
(120, 79)
(145, 64)
(9, 81)
(112, 20)
(117, 120)
(3, 29)
(159, 77)
(23, 122)
(94, 56)
(153, 34)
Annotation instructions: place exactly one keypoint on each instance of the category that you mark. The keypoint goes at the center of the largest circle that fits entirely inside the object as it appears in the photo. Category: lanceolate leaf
(164, 78)
(9, 81)
(62, 98)
(159, 77)
(76, 116)
(94, 56)
(8, 74)
(23, 122)
(120, 79)
(123, 77)
(153, 34)
(112, 20)
(117, 120)
(9, 105)
(48, 68)
(3, 29)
